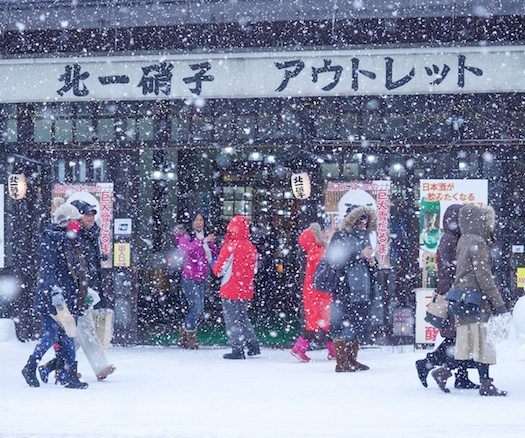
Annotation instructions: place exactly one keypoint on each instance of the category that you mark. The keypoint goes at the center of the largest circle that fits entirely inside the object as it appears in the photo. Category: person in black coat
(446, 264)
(63, 282)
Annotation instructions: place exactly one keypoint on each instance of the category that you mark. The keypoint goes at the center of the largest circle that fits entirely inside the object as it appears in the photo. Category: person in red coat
(237, 265)
(316, 304)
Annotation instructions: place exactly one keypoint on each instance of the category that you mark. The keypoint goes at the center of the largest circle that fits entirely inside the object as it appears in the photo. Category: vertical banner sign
(436, 195)
(101, 196)
(340, 197)
(122, 255)
(2, 244)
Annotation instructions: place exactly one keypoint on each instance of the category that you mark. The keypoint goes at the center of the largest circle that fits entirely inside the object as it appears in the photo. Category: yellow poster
(122, 254)
(521, 277)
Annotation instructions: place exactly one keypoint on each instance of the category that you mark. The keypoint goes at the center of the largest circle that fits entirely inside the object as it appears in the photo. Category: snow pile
(7, 330)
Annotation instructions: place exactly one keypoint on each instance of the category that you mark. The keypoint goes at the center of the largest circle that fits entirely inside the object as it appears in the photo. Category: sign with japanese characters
(436, 195)
(342, 196)
(425, 332)
(122, 255)
(301, 185)
(265, 74)
(100, 195)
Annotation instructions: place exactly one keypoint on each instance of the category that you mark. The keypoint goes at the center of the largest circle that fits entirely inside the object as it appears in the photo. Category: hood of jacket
(477, 220)
(311, 239)
(351, 219)
(451, 219)
(238, 228)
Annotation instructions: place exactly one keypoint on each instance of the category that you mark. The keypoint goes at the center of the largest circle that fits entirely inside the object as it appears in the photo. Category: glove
(57, 299)
(93, 297)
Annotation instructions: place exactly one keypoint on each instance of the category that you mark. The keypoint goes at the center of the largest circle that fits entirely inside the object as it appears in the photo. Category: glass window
(9, 131)
(83, 130)
(202, 128)
(146, 129)
(131, 129)
(43, 131)
(63, 131)
(180, 131)
(106, 129)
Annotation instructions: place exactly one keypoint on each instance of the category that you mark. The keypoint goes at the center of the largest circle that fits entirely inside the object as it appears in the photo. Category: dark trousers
(238, 326)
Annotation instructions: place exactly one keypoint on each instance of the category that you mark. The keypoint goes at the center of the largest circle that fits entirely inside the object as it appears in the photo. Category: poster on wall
(436, 195)
(2, 244)
(340, 196)
(100, 195)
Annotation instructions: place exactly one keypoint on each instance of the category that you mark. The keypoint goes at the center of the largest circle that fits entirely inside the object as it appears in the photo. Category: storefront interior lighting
(255, 156)
(463, 165)
(157, 174)
(371, 158)
(270, 159)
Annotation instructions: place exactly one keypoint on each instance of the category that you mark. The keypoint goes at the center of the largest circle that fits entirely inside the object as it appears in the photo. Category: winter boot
(237, 353)
(352, 357)
(331, 353)
(46, 369)
(72, 377)
(182, 341)
(487, 388)
(342, 351)
(423, 367)
(110, 369)
(299, 350)
(253, 348)
(191, 339)
(29, 372)
(441, 376)
(462, 380)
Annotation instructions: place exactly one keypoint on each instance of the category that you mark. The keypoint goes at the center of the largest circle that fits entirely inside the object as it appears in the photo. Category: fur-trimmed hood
(477, 220)
(351, 219)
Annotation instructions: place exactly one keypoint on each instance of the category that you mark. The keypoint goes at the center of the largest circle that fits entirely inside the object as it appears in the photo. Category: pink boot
(331, 353)
(299, 350)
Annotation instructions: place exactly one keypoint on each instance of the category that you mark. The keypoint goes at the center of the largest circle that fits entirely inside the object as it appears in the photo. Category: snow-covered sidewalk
(169, 392)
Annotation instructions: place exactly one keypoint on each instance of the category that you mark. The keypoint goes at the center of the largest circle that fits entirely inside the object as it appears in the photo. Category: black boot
(423, 367)
(72, 378)
(46, 369)
(29, 372)
(462, 380)
(441, 376)
(237, 353)
(487, 388)
(253, 348)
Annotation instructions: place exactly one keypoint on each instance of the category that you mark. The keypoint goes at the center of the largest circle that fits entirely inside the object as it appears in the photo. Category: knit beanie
(65, 212)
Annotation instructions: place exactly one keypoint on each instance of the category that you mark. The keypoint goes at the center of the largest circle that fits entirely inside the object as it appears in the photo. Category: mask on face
(74, 226)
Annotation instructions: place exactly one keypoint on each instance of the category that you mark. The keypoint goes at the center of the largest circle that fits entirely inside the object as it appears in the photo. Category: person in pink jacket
(198, 248)
(316, 304)
(237, 265)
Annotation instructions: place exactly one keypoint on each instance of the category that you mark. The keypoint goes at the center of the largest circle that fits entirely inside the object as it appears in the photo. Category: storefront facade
(174, 130)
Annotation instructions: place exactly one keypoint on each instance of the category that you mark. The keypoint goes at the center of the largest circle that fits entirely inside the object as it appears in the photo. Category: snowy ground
(169, 392)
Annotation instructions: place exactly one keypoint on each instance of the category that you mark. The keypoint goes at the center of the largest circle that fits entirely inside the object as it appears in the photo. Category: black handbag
(464, 302)
(326, 277)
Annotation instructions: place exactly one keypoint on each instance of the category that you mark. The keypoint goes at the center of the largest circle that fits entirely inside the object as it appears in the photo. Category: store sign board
(425, 332)
(265, 74)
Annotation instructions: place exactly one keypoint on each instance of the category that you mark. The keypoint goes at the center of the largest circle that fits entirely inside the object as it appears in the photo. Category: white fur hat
(65, 212)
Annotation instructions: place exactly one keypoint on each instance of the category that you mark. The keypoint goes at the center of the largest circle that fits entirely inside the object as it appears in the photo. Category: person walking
(350, 250)
(316, 304)
(473, 273)
(198, 248)
(237, 265)
(446, 265)
(63, 282)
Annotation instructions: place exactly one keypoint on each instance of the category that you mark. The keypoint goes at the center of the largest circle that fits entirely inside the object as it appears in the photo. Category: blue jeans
(194, 292)
(51, 333)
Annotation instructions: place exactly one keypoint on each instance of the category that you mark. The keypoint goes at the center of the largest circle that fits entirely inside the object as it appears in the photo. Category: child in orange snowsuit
(316, 304)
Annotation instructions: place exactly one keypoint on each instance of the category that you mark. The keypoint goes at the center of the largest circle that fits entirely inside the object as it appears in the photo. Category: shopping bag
(501, 328)
(65, 320)
(326, 277)
(437, 311)
(103, 320)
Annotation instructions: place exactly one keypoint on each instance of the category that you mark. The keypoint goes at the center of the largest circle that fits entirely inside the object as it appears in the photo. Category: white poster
(436, 196)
